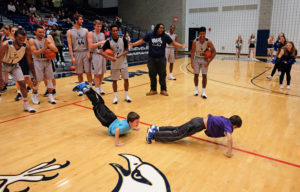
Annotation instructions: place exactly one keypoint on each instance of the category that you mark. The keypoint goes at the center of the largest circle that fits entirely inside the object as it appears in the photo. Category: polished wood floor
(267, 147)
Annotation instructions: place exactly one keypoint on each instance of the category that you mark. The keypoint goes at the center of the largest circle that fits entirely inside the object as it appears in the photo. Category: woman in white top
(252, 45)
(238, 45)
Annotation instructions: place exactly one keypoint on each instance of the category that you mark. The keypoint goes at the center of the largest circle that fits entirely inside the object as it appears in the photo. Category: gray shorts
(82, 62)
(14, 69)
(170, 56)
(98, 64)
(199, 64)
(43, 68)
(115, 73)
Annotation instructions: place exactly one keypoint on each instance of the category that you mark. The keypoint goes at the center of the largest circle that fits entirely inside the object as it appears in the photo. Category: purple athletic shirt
(217, 125)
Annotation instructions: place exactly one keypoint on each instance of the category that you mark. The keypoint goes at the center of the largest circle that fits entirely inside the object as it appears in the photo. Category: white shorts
(43, 68)
(115, 73)
(82, 62)
(98, 64)
(170, 55)
(199, 63)
(14, 69)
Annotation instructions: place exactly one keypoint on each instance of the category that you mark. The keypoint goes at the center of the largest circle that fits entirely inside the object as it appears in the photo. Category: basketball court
(78, 154)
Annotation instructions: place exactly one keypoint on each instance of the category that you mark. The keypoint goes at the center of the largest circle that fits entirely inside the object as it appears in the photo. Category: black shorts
(251, 46)
(270, 46)
(24, 66)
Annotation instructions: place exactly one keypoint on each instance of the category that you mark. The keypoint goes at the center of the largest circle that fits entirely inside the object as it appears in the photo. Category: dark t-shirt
(217, 126)
(157, 44)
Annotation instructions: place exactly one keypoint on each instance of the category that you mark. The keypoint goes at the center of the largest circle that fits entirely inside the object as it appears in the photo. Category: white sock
(203, 90)
(19, 91)
(171, 74)
(54, 86)
(98, 89)
(126, 93)
(115, 94)
(197, 88)
(91, 84)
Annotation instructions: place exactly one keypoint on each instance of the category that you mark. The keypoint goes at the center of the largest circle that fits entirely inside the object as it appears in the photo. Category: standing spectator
(287, 57)
(11, 8)
(57, 36)
(252, 45)
(107, 33)
(271, 46)
(69, 23)
(32, 9)
(118, 21)
(157, 61)
(238, 45)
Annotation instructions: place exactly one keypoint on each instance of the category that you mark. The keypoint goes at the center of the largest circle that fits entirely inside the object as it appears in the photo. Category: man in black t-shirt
(156, 58)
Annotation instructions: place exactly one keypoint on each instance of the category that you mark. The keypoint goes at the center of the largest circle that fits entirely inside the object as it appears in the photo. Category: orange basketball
(72, 68)
(49, 54)
(207, 54)
(109, 52)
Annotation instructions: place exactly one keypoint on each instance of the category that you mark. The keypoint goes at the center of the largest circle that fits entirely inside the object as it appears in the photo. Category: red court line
(212, 142)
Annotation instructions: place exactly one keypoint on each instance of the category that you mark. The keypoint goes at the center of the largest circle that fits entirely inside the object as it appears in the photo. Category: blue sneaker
(80, 86)
(149, 136)
(154, 128)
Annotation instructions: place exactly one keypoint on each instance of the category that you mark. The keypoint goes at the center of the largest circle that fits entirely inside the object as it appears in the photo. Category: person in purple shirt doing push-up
(216, 126)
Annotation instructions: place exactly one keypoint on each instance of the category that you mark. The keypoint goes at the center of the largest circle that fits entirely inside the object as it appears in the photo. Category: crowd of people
(283, 59)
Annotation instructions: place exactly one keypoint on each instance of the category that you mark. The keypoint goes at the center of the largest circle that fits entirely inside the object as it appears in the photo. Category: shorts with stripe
(14, 69)
(115, 73)
(170, 54)
(98, 64)
(82, 62)
(199, 63)
(43, 68)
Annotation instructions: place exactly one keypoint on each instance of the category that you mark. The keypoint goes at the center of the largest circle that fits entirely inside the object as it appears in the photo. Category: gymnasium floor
(266, 147)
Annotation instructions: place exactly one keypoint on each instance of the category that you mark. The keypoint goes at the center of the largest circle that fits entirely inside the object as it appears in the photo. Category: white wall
(286, 18)
(225, 25)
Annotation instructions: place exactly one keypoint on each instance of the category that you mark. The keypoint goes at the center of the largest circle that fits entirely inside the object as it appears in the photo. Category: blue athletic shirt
(122, 125)
(217, 126)
(157, 44)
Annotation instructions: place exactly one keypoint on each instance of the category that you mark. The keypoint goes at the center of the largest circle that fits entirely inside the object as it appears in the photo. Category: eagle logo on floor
(140, 176)
(31, 175)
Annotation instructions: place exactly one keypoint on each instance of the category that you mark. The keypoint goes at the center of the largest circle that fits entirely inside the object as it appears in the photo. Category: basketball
(72, 68)
(109, 52)
(49, 54)
(207, 54)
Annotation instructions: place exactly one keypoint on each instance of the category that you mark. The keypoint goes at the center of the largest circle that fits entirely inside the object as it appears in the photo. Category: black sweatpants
(168, 134)
(157, 66)
(276, 66)
(103, 113)
(285, 69)
(60, 51)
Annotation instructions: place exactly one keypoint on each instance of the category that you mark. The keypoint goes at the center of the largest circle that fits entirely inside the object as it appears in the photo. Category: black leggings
(276, 66)
(103, 113)
(60, 51)
(285, 69)
(169, 133)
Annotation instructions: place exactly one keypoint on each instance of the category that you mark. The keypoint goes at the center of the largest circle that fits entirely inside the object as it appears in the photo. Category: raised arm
(137, 43)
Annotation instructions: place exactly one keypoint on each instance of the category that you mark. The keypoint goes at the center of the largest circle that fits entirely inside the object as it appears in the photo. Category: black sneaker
(46, 93)
(4, 89)
(53, 92)
(18, 97)
(28, 89)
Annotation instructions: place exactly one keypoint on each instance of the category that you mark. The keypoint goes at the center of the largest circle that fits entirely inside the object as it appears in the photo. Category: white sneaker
(269, 77)
(34, 98)
(279, 73)
(51, 99)
(28, 108)
(171, 77)
(80, 93)
(288, 87)
(58, 63)
(102, 92)
(196, 93)
(63, 64)
(203, 95)
(115, 100)
(281, 86)
(128, 99)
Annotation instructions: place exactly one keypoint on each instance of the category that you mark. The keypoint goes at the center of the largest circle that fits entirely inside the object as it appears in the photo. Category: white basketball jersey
(201, 48)
(118, 48)
(173, 37)
(13, 56)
